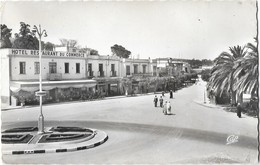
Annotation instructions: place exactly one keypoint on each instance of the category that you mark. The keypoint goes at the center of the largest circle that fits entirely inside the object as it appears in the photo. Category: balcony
(112, 73)
(54, 76)
(101, 73)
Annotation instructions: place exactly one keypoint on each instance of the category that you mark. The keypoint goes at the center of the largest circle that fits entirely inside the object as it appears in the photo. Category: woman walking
(161, 101)
(165, 108)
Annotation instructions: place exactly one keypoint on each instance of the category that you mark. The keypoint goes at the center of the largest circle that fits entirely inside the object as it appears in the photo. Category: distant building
(169, 67)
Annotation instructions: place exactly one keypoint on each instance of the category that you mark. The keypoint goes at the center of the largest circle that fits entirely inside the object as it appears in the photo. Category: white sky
(177, 29)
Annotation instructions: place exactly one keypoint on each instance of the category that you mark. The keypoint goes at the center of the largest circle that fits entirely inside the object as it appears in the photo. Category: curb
(56, 150)
(205, 105)
(71, 102)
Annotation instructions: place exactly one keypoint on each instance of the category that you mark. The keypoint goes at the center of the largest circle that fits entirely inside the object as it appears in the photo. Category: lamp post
(40, 93)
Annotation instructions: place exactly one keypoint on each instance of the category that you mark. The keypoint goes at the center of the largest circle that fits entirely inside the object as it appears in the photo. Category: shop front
(57, 91)
(108, 86)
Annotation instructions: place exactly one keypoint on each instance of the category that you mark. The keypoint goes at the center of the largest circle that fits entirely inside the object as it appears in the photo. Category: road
(140, 133)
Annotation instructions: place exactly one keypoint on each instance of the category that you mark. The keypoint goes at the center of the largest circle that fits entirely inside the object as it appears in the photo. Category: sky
(177, 29)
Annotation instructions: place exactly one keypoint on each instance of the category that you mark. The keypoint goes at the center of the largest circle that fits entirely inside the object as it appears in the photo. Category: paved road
(140, 133)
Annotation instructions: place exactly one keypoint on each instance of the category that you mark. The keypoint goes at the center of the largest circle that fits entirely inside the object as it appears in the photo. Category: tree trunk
(233, 98)
(240, 98)
(233, 93)
(156, 86)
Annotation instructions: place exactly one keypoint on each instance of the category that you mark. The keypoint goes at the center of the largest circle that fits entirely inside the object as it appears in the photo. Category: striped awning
(32, 86)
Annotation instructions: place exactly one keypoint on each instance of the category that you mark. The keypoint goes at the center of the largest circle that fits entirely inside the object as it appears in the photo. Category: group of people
(165, 105)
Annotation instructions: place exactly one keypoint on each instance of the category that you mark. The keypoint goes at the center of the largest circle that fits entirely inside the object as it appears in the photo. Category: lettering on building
(46, 53)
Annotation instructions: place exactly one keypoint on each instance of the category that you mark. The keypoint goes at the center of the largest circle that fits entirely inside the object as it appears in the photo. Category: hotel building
(67, 74)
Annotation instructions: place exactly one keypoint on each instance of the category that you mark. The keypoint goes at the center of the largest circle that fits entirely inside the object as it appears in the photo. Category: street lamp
(40, 93)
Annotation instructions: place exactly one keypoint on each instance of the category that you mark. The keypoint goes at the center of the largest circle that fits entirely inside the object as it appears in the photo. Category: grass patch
(62, 137)
(16, 139)
(21, 129)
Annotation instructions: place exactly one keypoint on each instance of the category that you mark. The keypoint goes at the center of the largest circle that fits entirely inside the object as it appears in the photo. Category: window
(89, 67)
(77, 67)
(22, 67)
(154, 70)
(36, 68)
(52, 67)
(135, 69)
(67, 69)
(127, 69)
(100, 67)
(112, 67)
(144, 68)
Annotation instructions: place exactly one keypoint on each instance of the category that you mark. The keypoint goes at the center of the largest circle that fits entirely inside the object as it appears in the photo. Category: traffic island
(26, 140)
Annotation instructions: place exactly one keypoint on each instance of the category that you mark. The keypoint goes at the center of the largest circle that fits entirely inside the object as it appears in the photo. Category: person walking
(171, 94)
(169, 107)
(155, 100)
(161, 101)
(165, 108)
(239, 110)
(163, 93)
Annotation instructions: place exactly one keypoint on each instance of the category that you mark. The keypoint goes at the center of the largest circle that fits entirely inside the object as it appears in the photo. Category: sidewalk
(206, 104)
(78, 101)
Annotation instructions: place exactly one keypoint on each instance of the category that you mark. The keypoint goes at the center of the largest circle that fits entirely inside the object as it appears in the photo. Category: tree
(247, 72)
(93, 52)
(206, 62)
(120, 51)
(68, 42)
(195, 63)
(222, 75)
(127, 85)
(5, 37)
(205, 74)
(49, 46)
(25, 39)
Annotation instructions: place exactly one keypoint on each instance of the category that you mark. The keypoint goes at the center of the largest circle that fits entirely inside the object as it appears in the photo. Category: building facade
(70, 75)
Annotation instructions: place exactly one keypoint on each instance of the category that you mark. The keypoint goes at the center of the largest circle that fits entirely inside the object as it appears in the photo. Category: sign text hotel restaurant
(46, 53)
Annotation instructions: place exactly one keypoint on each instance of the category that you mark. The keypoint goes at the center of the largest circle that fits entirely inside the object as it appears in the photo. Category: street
(140, 133)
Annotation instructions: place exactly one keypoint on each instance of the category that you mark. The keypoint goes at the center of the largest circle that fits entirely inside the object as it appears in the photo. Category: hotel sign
(46, 53)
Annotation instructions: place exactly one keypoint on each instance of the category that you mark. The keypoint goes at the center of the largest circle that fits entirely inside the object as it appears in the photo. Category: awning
(32, 86)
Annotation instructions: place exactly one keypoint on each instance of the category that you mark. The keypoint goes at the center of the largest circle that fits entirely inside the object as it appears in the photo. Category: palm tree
(247, 72)
(222, 74)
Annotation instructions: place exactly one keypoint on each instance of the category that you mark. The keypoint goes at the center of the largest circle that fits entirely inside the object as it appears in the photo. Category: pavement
(139, 133)
(71, 102)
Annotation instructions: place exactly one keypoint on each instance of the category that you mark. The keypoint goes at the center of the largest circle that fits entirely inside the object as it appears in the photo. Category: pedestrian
(171, 94)
(169, 107)
(155, 100)
(239, 110)
(161, 101)
(165, 108)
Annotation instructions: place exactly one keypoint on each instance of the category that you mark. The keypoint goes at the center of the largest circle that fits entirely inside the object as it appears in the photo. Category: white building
(64, 73)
